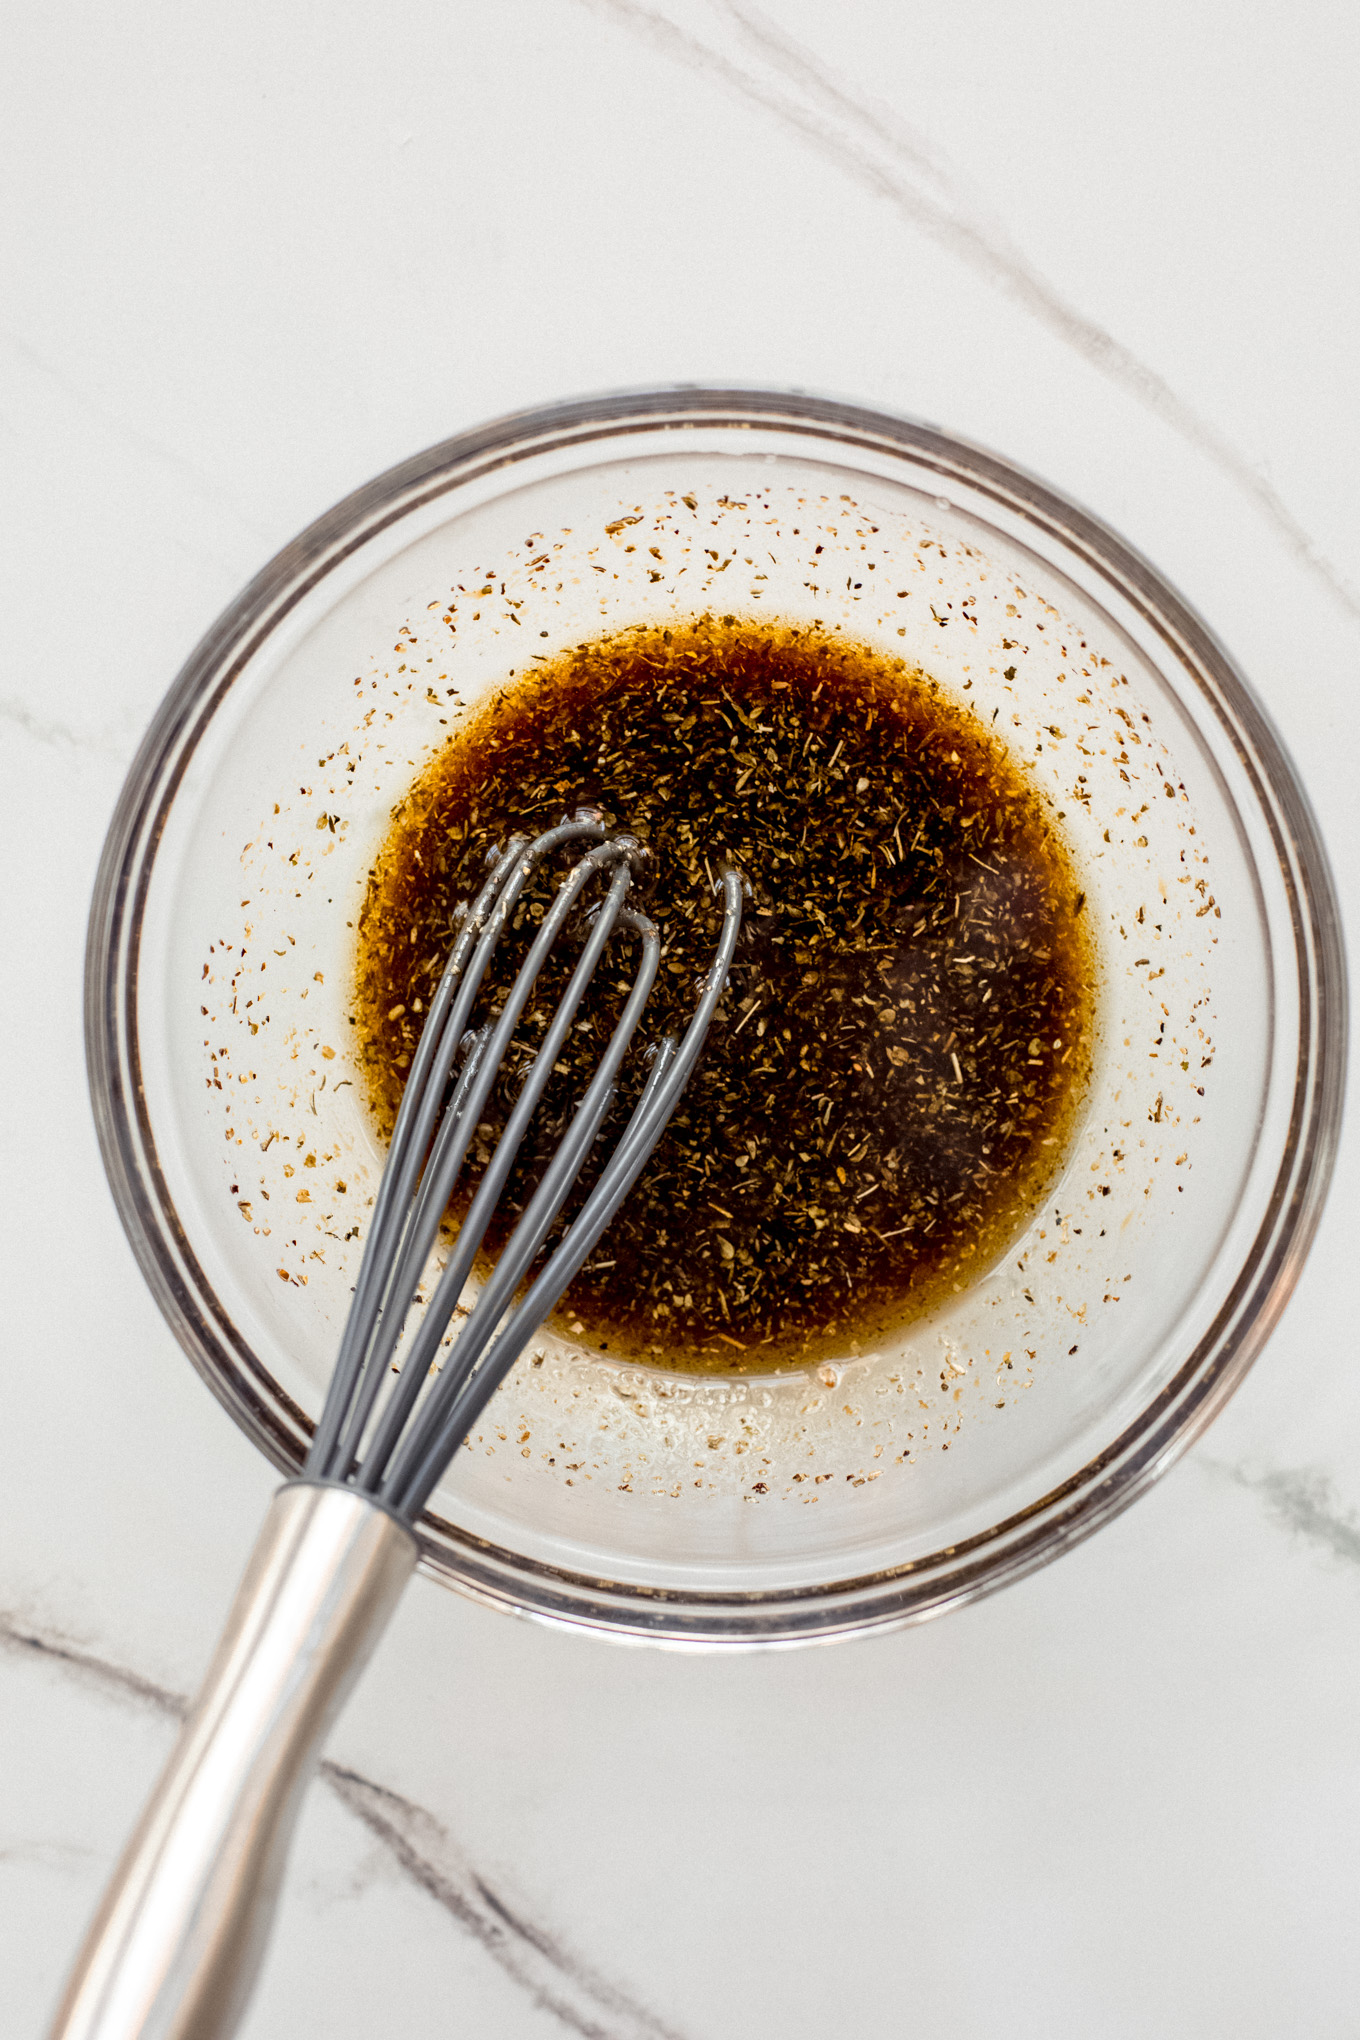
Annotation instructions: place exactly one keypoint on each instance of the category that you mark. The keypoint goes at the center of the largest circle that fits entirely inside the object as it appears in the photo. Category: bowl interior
(898, 1476)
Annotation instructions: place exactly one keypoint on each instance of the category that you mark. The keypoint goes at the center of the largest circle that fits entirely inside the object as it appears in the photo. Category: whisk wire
(428, 1411)
(421, 1221)
(467, 1386)
(421, 1103)
(430, 1449)
(524, 1243)
(543, 1209)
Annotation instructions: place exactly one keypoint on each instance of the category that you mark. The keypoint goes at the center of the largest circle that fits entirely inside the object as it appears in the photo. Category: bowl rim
(916, 1589)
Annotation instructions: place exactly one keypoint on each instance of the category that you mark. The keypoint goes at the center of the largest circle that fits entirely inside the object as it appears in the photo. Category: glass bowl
(889, 1483)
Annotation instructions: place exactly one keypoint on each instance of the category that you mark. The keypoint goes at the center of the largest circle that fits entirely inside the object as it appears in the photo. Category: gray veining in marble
(871, 145)
(1304, 1501)
(184, 471)
(552, 1976)
(63, 736)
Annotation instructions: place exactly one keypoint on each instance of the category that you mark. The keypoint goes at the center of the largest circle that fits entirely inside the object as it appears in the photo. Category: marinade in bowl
(924, 1446)
(891, 1080)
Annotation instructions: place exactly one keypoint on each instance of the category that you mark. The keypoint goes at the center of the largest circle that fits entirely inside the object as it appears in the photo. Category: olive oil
(902, 1051)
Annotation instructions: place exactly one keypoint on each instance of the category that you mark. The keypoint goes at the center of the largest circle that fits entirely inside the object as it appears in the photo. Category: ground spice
(906, 1038)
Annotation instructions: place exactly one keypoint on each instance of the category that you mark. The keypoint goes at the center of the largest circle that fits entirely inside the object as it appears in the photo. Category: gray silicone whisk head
(395, 1445)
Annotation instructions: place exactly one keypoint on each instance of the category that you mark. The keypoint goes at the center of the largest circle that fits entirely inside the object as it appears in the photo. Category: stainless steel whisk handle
(177, 1942)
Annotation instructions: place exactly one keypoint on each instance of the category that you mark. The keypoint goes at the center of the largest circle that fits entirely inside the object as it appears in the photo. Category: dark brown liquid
(907, 1031)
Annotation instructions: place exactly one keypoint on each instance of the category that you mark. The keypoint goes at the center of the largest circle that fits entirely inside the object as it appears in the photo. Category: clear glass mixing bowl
(976, 1445)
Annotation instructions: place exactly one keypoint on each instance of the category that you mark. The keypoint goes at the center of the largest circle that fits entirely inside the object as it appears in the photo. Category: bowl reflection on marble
(885, 1484)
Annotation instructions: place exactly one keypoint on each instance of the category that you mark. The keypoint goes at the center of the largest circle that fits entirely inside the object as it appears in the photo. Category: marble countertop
(258, 254)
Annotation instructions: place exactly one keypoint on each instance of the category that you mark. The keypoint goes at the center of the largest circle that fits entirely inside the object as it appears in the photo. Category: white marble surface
(255, 255)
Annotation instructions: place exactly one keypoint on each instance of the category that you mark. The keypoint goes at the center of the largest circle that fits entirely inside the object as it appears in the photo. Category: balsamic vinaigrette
(907, 1032)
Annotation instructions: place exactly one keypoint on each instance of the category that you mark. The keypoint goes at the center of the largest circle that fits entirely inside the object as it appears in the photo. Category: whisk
(176, 1944)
